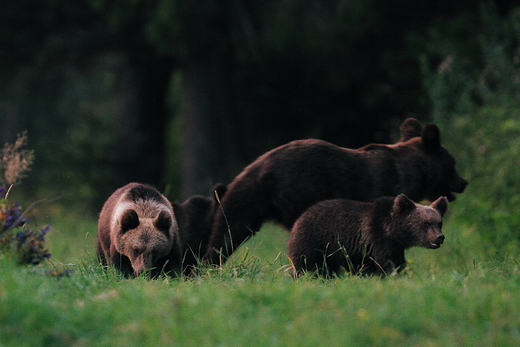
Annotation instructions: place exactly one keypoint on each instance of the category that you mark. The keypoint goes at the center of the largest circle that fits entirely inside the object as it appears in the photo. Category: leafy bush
(476, 102)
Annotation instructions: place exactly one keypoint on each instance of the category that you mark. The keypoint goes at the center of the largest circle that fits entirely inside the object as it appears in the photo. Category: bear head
(195, 215)
(195, 219)
(413, 224)
(439, 165)
(145, 240)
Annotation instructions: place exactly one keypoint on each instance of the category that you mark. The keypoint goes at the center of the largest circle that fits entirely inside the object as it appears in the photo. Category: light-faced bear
(195, 219)
(363, 237)
(138, 232)
(282, 183)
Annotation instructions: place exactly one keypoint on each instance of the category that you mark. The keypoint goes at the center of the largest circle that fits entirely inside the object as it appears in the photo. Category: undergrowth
(17, 241)
(440, 300)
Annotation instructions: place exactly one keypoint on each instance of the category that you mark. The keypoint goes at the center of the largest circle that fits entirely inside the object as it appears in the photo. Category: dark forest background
(184, 94)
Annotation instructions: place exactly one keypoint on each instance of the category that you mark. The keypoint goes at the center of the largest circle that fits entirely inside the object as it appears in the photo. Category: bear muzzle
(457, 187)
(437, 243)
(140, 264)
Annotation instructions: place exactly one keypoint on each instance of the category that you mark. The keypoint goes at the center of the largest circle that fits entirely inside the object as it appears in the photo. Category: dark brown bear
(137, 232)
(195, 219)
(363, 237)
(281, 184)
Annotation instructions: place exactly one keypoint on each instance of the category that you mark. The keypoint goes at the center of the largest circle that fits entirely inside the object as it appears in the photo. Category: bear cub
(195, 219)
(138, 232)
(363, 237)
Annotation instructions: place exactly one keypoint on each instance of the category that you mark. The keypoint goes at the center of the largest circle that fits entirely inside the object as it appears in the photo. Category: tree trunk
(209, 141)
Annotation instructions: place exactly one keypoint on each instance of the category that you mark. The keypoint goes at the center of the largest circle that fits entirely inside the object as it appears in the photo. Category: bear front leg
(227, 235)
(236, 221)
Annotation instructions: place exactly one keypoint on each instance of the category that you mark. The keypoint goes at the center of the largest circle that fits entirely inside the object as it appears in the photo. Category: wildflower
(15, 161)
(23, 244)
(29, 247)
(11, 216)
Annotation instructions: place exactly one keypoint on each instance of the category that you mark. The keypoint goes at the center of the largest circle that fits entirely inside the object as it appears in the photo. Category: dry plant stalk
(16, 160)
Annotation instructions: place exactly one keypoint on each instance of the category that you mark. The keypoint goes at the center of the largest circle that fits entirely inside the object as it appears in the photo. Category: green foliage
(440, 300)
(459, 294)
(24, 245)
(486, 142)
(477, 107)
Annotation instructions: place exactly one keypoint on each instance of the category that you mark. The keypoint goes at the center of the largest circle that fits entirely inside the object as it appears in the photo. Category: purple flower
(27, 244)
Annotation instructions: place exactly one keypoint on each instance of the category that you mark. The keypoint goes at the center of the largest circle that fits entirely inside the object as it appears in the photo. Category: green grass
(459, 295)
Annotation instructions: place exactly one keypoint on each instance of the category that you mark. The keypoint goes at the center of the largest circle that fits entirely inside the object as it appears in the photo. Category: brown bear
(138, 232)
(195, 219)
(282, 183)
(363, 237)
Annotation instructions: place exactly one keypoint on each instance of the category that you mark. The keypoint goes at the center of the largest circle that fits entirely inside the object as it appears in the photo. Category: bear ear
(431, 136)
(163, 222)
(403, 204)
(409, 129)
(441, 205)
(129, 220)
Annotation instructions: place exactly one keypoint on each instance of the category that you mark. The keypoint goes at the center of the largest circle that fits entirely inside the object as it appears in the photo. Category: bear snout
(439, 240)
(459, 185)
(140, 264)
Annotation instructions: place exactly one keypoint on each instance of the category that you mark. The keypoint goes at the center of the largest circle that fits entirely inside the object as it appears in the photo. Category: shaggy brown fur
(281, 184)
(363, 237)
(195, 218)
(138, 232)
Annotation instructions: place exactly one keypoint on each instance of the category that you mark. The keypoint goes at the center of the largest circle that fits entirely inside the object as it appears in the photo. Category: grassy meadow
(467, 293)
(463, 294)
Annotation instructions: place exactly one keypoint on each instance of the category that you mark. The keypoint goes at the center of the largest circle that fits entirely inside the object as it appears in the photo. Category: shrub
(17, 241)
(476, 101)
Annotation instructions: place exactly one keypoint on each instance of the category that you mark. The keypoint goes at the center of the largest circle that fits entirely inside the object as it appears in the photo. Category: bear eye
(136, 252)
(427, 224)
